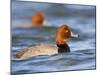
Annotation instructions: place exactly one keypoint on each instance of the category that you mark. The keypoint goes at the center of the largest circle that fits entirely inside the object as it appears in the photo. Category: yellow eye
(66, 30)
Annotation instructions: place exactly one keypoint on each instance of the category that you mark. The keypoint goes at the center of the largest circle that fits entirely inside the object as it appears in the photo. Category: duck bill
(74, 35)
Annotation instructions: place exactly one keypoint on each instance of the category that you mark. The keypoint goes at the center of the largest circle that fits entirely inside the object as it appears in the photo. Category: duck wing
(36, 50)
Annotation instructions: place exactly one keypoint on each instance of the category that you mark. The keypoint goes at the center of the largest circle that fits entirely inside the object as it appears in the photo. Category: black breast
(63, 48)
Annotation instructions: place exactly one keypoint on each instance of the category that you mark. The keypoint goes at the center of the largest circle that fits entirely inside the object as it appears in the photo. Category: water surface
(80, 18)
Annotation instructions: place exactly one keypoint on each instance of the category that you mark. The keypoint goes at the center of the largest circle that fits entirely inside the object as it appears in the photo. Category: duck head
(37, 19)
(62, 36)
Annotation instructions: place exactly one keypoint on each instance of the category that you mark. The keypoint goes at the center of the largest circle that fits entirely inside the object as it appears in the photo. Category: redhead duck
(62, 36)
(37, 19)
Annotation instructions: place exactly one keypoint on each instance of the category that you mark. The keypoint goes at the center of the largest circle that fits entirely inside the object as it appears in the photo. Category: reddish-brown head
(37, 19)
(63, 34)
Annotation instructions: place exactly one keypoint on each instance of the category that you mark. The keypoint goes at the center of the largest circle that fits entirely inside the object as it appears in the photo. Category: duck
(62, 35)
(37, 19)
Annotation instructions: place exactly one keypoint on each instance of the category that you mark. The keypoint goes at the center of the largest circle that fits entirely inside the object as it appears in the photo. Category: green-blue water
(80, 18)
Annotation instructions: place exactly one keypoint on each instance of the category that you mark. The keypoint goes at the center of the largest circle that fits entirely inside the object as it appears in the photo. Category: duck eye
(66, 30)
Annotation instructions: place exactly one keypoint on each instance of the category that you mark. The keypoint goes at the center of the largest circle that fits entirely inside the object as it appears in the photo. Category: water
(81, 19)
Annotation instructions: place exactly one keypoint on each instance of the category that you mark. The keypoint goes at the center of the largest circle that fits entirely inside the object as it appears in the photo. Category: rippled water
(80, 18)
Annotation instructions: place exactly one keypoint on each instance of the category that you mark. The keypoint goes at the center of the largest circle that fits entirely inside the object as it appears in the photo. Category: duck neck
(63, 48)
